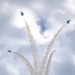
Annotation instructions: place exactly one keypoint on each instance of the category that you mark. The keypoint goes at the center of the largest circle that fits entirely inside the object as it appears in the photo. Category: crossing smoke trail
(28, 65)
(43, 68)
(47, 53)
(34, 49)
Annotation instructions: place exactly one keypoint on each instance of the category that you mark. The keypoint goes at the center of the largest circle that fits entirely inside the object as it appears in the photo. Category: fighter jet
(68, 21)
(22, 14)
(9, 51)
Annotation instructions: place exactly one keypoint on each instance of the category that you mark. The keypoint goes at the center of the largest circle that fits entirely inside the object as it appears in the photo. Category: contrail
(48, 51)
(34, 49)
(28, 65)
(48, 63)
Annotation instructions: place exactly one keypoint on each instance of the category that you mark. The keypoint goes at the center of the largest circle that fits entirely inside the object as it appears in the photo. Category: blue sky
(45, 17)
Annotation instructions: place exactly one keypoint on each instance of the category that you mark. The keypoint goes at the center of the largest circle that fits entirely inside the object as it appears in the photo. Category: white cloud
(70, 5)
(13, 69)
(40, 6)
(73, 59)
(4, 7)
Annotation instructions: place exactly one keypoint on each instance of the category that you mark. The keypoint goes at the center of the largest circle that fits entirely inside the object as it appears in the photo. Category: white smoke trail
(28, 65)
(48, 51)
(48, 63)
(34, 49)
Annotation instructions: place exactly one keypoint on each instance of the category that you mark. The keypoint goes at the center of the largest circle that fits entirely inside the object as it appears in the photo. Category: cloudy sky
(45, 17)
